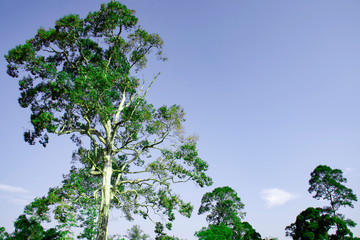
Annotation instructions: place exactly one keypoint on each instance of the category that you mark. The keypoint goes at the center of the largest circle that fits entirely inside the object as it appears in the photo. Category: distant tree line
(225, 216)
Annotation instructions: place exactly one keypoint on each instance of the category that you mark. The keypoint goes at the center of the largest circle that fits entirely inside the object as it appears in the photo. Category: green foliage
(79, 78)
(225, 211)
(71, 204)
(161, 235)
(245, 231)
(71, 78)
(315, 223)
(311, 224)
(223, 206)
(115, 237)
(342, 228)
(159, 230)
(327, 184)
(215, 232)
(135, 233)
(3, 234)
(30, 229)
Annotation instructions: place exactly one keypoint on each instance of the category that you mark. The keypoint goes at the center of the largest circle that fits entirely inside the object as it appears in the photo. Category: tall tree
(328, 184)
(315, 223)
(78, 78)
(225, 211)
(222, 205)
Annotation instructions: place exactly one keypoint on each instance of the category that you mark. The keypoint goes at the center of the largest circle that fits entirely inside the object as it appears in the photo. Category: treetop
(74, 75)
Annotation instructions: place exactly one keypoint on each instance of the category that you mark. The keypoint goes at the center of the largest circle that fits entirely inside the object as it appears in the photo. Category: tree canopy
(328, 184)
(311, 224)
(79, 78)
(31, 229)
(222, 205)
(225, 212)
(215, 232)
(315, 223)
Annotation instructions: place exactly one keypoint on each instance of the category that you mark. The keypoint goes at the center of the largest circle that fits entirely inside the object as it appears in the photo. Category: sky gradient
(270, 86)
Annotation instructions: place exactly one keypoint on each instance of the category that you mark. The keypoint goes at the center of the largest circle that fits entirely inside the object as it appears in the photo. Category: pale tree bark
(105, 199)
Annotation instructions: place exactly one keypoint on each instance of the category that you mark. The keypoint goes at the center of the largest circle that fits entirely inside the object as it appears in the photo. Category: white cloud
(17, 195)
(20, 201)
(276, 197)
(14, 189)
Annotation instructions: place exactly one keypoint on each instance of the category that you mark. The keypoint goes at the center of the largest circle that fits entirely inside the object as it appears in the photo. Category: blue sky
(271, 88)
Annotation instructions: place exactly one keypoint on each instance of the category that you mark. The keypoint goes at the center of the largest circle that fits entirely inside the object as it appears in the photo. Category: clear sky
(270, 86)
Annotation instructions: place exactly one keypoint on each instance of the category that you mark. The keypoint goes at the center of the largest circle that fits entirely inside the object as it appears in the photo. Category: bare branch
(120, 108)
(71, 130)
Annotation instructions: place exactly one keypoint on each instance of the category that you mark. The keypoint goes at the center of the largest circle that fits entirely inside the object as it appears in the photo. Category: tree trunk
(105, 200)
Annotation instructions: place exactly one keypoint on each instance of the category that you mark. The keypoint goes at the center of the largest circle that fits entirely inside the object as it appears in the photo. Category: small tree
(222, 205)
(135, 233)
(225, 211)
(328, 184)
(315, 223)
(78, 78)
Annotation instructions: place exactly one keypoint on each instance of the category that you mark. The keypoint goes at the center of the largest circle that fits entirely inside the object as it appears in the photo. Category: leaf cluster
(328, 184)
(31, 229)
(225, 212)
(315, 223)
(72, 75)
(71, 204)
(215, 232)
(223, 205)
